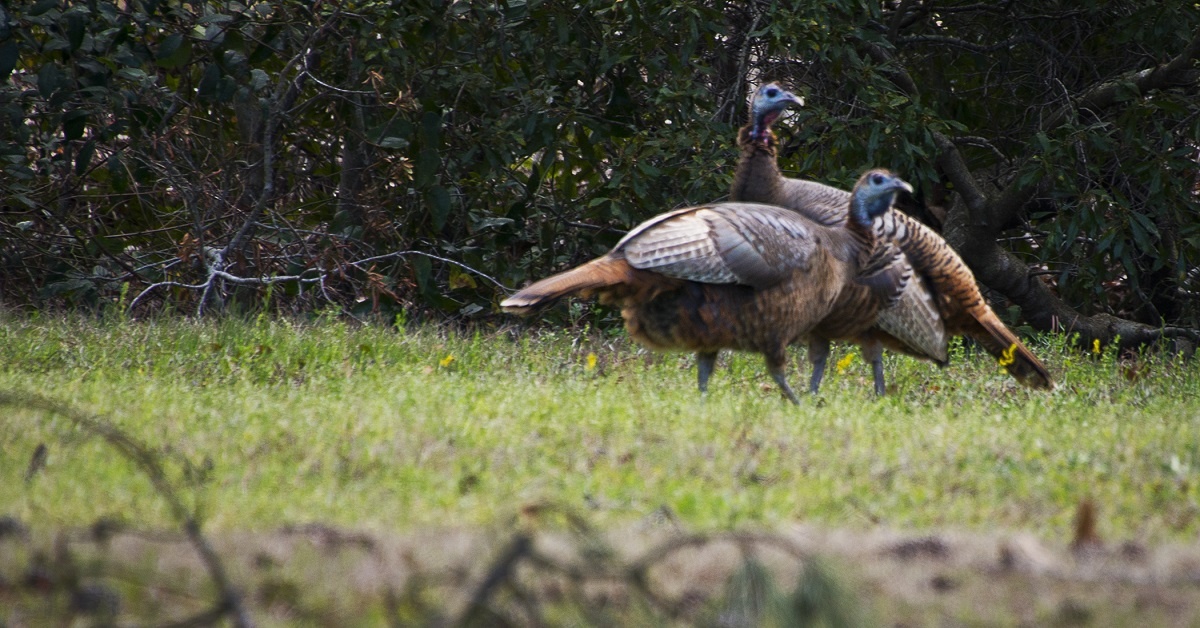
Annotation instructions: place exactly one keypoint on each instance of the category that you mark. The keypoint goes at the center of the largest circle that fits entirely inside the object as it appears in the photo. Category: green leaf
(50, 79)
(136, 75)
(84, 159)
(460, 279)
(67, 288)
(169, 46)
(43, 6)
(534, 181)
(174, 51)
(215, 18)
(423, 273)
(8, 59)
(74, 123)
(20, 171)
(118, 178)
(1142, 229)
(426, 168)
(76, 28)
(259, 79)
(431, 127)
(1145, 222)
(494, 222)
(210, 81)
(1043, 142)
(1071, 232)
(439, 206)
(648, 169)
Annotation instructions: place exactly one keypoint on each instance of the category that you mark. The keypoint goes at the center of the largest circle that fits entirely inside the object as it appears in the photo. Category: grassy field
(270, 423)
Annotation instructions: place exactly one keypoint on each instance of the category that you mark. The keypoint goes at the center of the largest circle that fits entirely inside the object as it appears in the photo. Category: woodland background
(413, 158)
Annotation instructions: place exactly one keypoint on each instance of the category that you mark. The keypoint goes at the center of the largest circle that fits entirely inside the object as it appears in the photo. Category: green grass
(267, 423)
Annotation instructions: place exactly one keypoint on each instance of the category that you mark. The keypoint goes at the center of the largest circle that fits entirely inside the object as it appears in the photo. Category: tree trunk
(974, 221)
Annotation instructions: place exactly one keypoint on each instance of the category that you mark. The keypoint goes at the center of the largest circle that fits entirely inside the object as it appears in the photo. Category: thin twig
(220, 274)
(282, 99)
(214, 274)
(308, 71)
(435, 257)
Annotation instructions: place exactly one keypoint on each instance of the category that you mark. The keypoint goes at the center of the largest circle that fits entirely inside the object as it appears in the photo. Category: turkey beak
(898, 184)
(792, 99)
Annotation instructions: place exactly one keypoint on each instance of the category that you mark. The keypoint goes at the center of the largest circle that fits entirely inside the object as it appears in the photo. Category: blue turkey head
(874, 194)
(769, 103)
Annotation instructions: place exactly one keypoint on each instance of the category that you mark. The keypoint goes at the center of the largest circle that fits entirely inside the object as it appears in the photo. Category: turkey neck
(758, 178)
(863, 234)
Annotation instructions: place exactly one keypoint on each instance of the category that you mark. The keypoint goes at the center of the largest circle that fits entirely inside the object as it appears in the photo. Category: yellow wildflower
(1096, 346)
(1009, 355)
(446, 361)
(844, 363)
(591, 361)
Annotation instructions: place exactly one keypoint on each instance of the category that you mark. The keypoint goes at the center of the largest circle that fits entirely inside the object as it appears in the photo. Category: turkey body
(943, 299)
(709, 317)
(739, 276)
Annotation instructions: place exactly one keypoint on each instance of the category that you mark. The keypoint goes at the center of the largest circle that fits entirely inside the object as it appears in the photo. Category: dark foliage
(410, 156)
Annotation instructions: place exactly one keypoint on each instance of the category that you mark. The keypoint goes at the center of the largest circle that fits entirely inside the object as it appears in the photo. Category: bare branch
(215, 274)
(285, 94)
(973, 232)
(960, 43)
(220, 274)
(968, 8)
(596, 228)
(1009, 203)
(501, 571)
(435, 257)
(350, 92)
(1105, 94)
(897, 74)
(955, 167)
(230, 600)
(743, 57)
(982, 142)
(897, 20)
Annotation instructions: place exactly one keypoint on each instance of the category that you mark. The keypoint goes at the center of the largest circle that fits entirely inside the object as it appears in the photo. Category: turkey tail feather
(1012, 354)
(598, 273)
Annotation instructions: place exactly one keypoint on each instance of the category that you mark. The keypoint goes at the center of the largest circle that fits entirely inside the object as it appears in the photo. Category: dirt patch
(520, 575)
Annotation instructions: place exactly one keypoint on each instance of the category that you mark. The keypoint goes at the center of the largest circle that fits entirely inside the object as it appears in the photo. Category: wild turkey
(913, 325)
(943, 280)
(739, 276)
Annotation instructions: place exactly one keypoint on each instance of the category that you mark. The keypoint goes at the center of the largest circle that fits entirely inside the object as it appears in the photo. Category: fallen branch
(229, 600)
(972, 227)
(216, 274)
(502, 570)
(225, 276)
